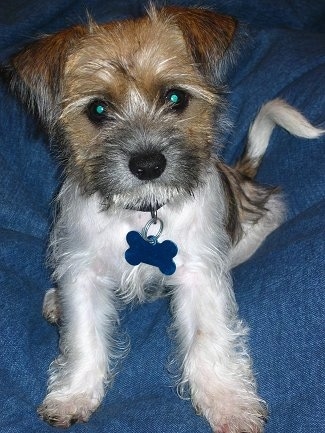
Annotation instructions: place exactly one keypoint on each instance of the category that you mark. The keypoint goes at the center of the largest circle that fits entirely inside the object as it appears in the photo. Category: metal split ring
(152, 238)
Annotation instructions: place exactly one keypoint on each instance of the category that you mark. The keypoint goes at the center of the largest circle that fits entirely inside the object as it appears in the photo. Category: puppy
(134, 109)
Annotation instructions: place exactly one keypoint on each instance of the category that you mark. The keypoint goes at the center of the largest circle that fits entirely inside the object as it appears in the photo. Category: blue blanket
(280, 290)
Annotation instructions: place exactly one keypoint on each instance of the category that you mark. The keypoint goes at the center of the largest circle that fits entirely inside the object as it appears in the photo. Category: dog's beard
(147, 198)
(118, 187)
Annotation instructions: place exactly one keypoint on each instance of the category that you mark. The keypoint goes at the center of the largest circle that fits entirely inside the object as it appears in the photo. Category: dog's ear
(208, 36)
(35, 73)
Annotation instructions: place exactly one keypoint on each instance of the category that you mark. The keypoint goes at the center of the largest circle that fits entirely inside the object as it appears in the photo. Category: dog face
(131, 104)
(130, 111)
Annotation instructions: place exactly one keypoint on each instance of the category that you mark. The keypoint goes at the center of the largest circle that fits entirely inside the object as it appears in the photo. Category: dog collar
(152, 209)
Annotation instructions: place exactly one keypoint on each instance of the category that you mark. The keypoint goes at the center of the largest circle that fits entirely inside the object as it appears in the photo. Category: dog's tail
(274, 113)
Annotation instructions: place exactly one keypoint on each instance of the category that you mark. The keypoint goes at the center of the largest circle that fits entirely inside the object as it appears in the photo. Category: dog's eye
(176, 99)
(97, 111)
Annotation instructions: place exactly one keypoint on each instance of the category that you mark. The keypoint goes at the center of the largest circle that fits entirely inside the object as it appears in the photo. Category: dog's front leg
(215, 365)
(78, 375)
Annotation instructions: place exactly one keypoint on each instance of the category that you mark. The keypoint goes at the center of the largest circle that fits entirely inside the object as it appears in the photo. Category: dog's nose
(147, 166)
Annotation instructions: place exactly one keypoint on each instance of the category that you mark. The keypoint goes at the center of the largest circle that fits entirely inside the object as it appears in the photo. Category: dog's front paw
(233, 415)
(63, 411)
(249, 423)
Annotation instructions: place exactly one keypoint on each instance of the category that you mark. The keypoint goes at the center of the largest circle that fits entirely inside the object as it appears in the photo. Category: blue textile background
(280, 290)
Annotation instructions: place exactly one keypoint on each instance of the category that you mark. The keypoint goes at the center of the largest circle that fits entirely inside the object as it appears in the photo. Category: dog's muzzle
(146, 167)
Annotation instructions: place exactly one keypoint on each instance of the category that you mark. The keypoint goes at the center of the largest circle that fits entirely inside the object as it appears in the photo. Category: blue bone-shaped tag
(151, 252)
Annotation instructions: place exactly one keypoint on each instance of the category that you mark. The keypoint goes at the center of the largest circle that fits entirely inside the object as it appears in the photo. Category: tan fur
(101, 66)
(175, 47)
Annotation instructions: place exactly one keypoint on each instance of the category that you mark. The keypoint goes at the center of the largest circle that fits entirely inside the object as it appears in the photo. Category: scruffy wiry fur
(133, 107)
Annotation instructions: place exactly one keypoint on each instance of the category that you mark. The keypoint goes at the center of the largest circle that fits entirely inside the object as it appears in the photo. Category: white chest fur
(87, 239)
